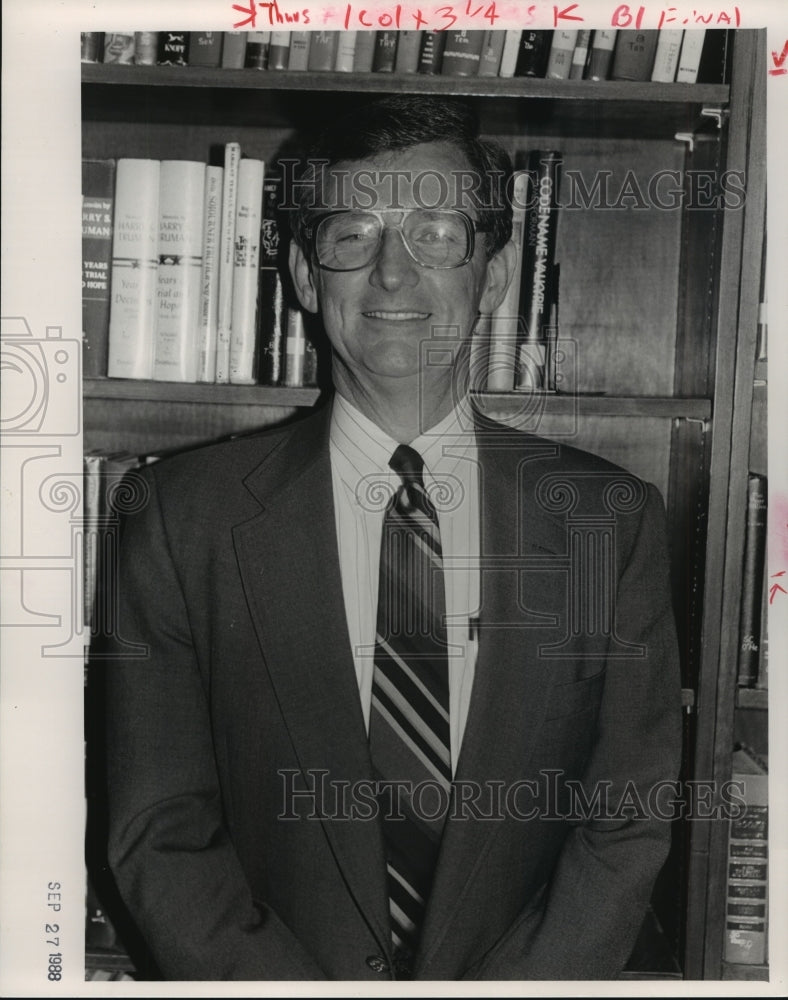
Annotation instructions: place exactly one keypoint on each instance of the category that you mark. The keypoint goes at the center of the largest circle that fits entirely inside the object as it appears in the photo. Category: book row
(665, 56)
(180, 279)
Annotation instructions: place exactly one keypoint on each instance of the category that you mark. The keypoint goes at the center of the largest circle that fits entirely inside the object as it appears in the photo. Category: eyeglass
(436, 238)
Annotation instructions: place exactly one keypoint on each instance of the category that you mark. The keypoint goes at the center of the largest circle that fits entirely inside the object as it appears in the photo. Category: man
(392, 706)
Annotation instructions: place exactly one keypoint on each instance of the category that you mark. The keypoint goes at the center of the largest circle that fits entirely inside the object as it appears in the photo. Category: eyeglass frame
(309, 233)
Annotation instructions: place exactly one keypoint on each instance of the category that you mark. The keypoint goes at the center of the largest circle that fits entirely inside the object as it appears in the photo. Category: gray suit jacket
(247, 694)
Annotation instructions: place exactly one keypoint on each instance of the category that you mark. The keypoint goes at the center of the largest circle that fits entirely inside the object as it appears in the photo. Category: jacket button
(377, 963)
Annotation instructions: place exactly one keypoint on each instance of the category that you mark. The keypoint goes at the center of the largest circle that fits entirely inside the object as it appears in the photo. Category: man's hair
(399, 122)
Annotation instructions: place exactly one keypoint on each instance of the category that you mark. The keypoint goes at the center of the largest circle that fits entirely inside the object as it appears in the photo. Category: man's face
(381, 317)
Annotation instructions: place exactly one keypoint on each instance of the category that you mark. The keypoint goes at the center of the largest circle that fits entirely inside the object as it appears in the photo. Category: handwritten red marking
(251, 13)
(778, 61)
(566, 14)
(773, 591)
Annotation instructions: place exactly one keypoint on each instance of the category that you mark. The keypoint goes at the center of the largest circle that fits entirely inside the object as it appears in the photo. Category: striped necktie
(409, 723)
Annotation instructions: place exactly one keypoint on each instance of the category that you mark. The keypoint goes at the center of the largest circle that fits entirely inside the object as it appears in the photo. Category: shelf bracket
(702, 422)
(714, 111)
(688, 137)
(688, 700)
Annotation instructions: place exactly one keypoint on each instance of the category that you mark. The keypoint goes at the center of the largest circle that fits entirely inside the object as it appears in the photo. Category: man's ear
(499, 273)
(301, 273)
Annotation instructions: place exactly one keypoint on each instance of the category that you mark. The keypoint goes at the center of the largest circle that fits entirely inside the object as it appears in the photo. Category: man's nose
(394, 267)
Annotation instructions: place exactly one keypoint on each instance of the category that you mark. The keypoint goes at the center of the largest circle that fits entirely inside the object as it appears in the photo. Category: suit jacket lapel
(510, 683)
(289, 565)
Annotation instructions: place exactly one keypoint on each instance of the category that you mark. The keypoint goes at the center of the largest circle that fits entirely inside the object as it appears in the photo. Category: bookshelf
(661, 303)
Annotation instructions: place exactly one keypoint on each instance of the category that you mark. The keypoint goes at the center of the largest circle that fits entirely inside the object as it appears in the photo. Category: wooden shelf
(600, 406)
(186, 392)
(752, 698)
(521, 104)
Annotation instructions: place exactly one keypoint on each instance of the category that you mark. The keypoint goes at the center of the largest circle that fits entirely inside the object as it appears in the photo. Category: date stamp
(52, 932)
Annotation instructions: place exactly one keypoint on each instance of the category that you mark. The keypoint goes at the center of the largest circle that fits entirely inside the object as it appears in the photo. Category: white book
(181, 195)
(232, 157)
(246, 271)
(666, 58)
(209, 291)
(562, 49)
(503, 324)
(346, 52)
(135, 239)
(580, 55)
(511, 49)
(299, 50)
(689, 58)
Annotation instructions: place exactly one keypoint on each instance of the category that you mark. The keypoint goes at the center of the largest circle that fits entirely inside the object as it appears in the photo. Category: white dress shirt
(363, 482)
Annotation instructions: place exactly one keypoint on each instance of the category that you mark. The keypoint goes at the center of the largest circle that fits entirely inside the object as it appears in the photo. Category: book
(98, 196)
(408, 49)
(233, 49)
(209, 280)
(431, 52)
(510, 53)
(346, 52)
(600, 57)
(322, 51)
(246, 268)
(747, 883)
(753, 570)
(580, 55)
(666, 57)
(689, 55)
(299, 51)
(91, 46)
(365, 51)
(119, 47)
(146, 48)
(536, 293)
(295, 350)
(205, 48)
(256, 56)
(533, 54)
(91, 493)
(462, 53)
(762, 681)
(492, 51)
(714, 57)
(559, 58)
(503, 325)
(384, 55)
(232, 157)
(633, 57)
(272, 309)
(135, 239)
(279, 50)
(179, 285)
(173, 48)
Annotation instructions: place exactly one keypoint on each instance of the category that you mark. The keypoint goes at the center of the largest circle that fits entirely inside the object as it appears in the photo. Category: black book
(752, 581)
(173, 48)
(431, 54)
(534, 53)
(272, 309)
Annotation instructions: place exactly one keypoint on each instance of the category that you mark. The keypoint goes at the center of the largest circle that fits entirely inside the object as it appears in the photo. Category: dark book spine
(580, 55)
(272, 310)
(322, 51)
(205, 48)
(534, 53)
(600, 58)
(633, 58)
(385, 55)
(536, 293)
(91, 46)
(462, 52)
(256, 56)
(98, 194)
(752, 581)
(431, 54)
(408, 49)
(714, 56)
(173, 48)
